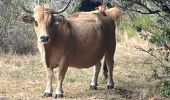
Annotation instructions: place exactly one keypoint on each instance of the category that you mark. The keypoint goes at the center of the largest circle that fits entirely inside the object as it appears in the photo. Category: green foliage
(155, 29)
(161, 38)
(126, 28)
(157, 33)
(136, 23)
(164, 88)
(3, 22)
(164, 80)
(144, 21)
(16, 37)
(76, 9)
(163, 76)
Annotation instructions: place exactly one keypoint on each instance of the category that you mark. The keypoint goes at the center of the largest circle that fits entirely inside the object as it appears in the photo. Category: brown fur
(78, 41)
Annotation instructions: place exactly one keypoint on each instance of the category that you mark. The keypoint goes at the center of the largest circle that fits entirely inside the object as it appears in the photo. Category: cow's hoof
(47, 94)
(110, 87)
(93, 87)
(58, 96)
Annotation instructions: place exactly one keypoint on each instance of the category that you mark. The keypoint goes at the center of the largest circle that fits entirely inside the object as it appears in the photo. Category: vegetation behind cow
(15, 36)
(153, 26)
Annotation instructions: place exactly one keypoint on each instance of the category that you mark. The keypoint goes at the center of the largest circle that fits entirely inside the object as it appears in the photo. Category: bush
(17, 39)
(154, 28)
(15, 36)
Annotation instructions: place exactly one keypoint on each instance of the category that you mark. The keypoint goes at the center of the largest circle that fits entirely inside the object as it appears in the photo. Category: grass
(22, 77)
(131, 21)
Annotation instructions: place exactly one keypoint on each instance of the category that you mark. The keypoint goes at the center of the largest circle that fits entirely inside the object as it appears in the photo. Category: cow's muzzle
(44, 38)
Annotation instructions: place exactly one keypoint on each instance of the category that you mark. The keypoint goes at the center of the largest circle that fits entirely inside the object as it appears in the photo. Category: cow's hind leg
(110, 83)
(48, 90)
(94, 83)
(109, 54)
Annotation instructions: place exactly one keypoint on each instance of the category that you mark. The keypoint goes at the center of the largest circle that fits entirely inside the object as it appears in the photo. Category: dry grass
(24, 78)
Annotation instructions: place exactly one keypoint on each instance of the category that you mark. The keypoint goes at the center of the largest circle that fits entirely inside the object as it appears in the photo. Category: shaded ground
(23, 77)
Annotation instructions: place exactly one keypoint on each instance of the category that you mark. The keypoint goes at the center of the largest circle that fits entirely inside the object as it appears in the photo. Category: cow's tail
(105, 70)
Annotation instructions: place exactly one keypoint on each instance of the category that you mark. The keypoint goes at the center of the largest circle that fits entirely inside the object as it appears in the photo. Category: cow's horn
(26, 10)
(62, 10)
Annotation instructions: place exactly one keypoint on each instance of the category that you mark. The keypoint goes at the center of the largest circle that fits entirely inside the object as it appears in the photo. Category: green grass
(126, 28)
(128, 25)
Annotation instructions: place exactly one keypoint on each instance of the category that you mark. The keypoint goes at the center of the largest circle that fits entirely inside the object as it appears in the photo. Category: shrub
(15, 36)
(154, 27)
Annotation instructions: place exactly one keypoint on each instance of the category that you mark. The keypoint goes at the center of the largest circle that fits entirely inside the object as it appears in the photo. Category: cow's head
(43, 19)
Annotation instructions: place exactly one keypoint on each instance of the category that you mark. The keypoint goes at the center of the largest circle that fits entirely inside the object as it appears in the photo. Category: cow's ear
(28, 19)
(59, 18)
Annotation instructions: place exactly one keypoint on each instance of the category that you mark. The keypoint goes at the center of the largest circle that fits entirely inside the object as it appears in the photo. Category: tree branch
(138, 11)
(151, 12)
(156, 3)
(145, 7)
(141, 49)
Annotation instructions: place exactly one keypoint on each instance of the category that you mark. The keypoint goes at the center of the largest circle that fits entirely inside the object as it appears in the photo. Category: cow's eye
(35, 23)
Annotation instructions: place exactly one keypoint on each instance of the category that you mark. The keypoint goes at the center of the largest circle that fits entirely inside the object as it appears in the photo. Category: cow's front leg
(48, 90)
(63, 66)
(94, 83)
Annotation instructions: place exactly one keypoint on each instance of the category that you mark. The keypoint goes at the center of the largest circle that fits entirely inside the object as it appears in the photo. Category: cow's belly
(87, 57)
(85, 61)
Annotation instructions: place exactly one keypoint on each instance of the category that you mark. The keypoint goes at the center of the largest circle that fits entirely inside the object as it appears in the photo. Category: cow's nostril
(44, 38)
(47, 37)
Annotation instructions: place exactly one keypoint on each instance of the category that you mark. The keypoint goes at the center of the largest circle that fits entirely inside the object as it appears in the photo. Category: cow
(79, 42)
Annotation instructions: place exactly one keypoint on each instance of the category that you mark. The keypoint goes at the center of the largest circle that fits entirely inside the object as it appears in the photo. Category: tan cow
(75, 42)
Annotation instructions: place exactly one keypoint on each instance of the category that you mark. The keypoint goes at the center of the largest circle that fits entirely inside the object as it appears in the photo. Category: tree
(157, 32)
(14, 37)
